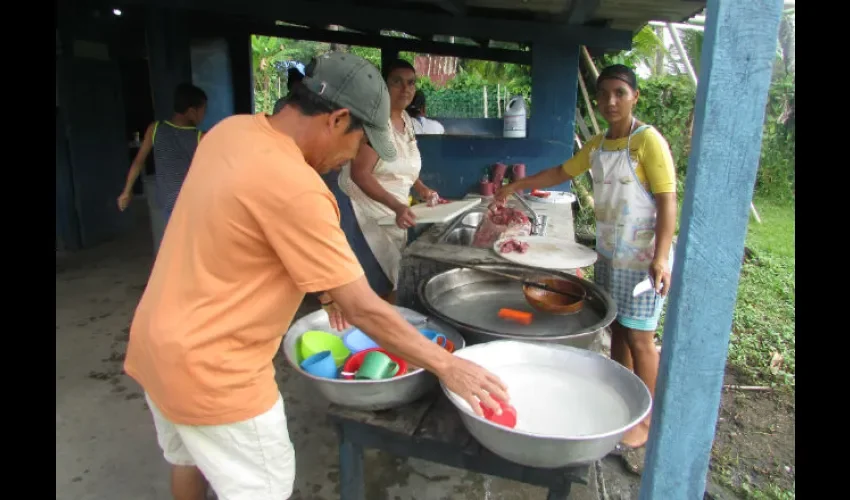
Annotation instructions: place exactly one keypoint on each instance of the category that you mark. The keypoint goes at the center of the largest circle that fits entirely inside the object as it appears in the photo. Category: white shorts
(249, 460)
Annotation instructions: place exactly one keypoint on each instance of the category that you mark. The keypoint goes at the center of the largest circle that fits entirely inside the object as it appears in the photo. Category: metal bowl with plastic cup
(371, 395)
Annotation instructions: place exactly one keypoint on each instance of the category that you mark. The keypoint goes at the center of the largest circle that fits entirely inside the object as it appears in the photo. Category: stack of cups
(518, 171)
(499, 171)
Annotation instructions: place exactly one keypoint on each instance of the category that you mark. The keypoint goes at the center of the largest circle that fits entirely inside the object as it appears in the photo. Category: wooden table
(431, 429)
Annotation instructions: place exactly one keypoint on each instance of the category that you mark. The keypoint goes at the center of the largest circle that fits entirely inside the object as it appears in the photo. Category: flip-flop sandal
(633, 458)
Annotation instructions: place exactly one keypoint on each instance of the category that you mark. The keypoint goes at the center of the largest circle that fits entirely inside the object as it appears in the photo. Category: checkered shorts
(639, 313)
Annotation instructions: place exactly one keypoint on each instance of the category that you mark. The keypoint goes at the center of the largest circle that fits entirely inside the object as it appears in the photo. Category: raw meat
(512, 245)
(501, 222)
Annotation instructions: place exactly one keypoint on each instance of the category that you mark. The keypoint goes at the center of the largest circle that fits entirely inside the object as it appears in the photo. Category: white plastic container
(515, 118)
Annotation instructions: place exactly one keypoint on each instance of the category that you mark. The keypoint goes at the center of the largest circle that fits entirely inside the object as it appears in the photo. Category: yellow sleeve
(657, 162)
(580, 162)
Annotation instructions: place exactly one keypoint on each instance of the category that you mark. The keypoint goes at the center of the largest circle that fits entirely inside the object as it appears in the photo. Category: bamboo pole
(592, 67)
(587, 103)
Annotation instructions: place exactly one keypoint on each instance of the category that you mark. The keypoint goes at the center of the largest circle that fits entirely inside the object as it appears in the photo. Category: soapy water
(552, 402)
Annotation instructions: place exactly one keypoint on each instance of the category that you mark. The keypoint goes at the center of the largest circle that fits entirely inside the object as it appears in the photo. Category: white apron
(625, 231)
(396, 177)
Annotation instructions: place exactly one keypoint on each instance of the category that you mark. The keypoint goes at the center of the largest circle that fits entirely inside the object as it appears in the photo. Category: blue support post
(737, 59)
(554, 89)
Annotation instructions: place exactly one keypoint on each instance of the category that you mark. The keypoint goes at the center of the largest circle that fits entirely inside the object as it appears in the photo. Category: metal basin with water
(371, 395)
(470, 301)
(573, 405)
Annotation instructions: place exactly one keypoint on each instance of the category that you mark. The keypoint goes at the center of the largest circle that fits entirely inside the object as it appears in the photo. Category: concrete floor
(105, 442)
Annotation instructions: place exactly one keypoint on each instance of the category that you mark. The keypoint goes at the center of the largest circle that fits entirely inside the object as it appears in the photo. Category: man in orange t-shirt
(254, 229)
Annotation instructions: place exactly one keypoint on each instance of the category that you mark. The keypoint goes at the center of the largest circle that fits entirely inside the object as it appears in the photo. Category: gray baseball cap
(354, 83)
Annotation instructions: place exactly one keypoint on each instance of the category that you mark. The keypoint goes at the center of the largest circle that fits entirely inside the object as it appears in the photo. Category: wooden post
(683, 54)
(485, 102)
(737, 59)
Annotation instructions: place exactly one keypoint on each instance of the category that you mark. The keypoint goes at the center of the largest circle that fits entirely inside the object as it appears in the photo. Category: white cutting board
(549, 253)
(434, 215)
(554, 197)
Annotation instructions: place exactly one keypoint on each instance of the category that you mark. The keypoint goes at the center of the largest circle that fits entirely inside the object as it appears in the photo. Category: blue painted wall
(452, 165)
(211, 71)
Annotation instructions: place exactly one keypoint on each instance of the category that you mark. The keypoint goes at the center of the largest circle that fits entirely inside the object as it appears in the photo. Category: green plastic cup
(376, 366)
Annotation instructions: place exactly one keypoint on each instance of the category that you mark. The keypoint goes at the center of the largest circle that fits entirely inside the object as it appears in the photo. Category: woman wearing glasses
(376, 189)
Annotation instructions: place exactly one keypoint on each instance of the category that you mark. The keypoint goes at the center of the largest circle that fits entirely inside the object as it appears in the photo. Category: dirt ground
(754, 446)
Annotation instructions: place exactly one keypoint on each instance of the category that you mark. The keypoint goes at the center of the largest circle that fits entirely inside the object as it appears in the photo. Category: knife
(643, 287)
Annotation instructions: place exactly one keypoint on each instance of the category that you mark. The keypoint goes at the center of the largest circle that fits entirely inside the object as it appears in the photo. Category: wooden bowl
(555, 303)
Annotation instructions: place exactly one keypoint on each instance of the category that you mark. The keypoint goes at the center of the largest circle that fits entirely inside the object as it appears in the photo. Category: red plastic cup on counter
(518, 171)
(499, 171)
(488, 189)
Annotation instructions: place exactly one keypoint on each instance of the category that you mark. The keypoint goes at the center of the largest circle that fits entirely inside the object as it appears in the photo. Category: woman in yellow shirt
(634, 188)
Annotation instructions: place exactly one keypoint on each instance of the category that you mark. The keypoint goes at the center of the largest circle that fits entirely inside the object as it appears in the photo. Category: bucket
(514, 118)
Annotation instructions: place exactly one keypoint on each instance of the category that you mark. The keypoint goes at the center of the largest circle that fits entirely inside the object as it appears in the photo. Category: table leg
(351, 480)
(559, 493)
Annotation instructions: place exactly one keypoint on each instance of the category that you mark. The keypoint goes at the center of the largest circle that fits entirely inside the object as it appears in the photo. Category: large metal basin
(573, 405)
(367, 394)
(469, 300)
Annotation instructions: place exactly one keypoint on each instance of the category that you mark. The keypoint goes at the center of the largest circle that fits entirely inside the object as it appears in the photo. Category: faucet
(538, 227)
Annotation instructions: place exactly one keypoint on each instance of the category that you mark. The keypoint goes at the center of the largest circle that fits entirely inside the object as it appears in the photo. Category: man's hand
(404, 217)
(337, 319)
(659, 270)
(473, 383)
(432, 199)
(124, 201)
(502, 195)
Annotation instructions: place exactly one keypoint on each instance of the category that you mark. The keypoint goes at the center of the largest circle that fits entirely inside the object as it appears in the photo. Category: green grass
(765, 311)
(769, 492)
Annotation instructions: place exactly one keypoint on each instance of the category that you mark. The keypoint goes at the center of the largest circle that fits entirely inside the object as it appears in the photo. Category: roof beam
(580, 11)
(453, 7)
(302, 12)
(401, 44)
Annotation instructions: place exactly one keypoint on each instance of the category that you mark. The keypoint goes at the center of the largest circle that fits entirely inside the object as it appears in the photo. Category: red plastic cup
(519, 171)
(507, 418)
(488, 189)
(499, 171)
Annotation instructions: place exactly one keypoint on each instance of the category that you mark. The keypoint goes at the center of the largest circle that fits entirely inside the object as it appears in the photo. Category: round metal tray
(470, 301)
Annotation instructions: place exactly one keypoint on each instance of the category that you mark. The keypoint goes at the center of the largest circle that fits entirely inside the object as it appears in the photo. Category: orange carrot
(514, 315)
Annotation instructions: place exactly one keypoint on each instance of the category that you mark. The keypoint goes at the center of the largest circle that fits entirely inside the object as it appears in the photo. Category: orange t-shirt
(254, 229)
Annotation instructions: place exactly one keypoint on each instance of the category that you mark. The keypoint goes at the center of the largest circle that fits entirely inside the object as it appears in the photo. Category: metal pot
(371, 395)
(598, 402)
(469, 300)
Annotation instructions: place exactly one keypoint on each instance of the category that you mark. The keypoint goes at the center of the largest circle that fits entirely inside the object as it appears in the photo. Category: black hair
(417, 105)
(188, 96)
(311, 104)
(618, 72)
(396, 64)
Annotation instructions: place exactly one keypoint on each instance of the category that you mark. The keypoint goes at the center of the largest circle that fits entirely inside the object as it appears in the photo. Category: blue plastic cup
(433, 336)
(320, 365)
(357, 341)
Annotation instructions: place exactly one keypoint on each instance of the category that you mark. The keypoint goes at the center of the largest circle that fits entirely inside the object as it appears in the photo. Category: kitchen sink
(460, 236)
(462, 230)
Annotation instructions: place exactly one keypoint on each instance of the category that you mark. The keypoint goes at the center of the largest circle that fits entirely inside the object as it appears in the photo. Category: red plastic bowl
(356, 360)
(507, 418)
